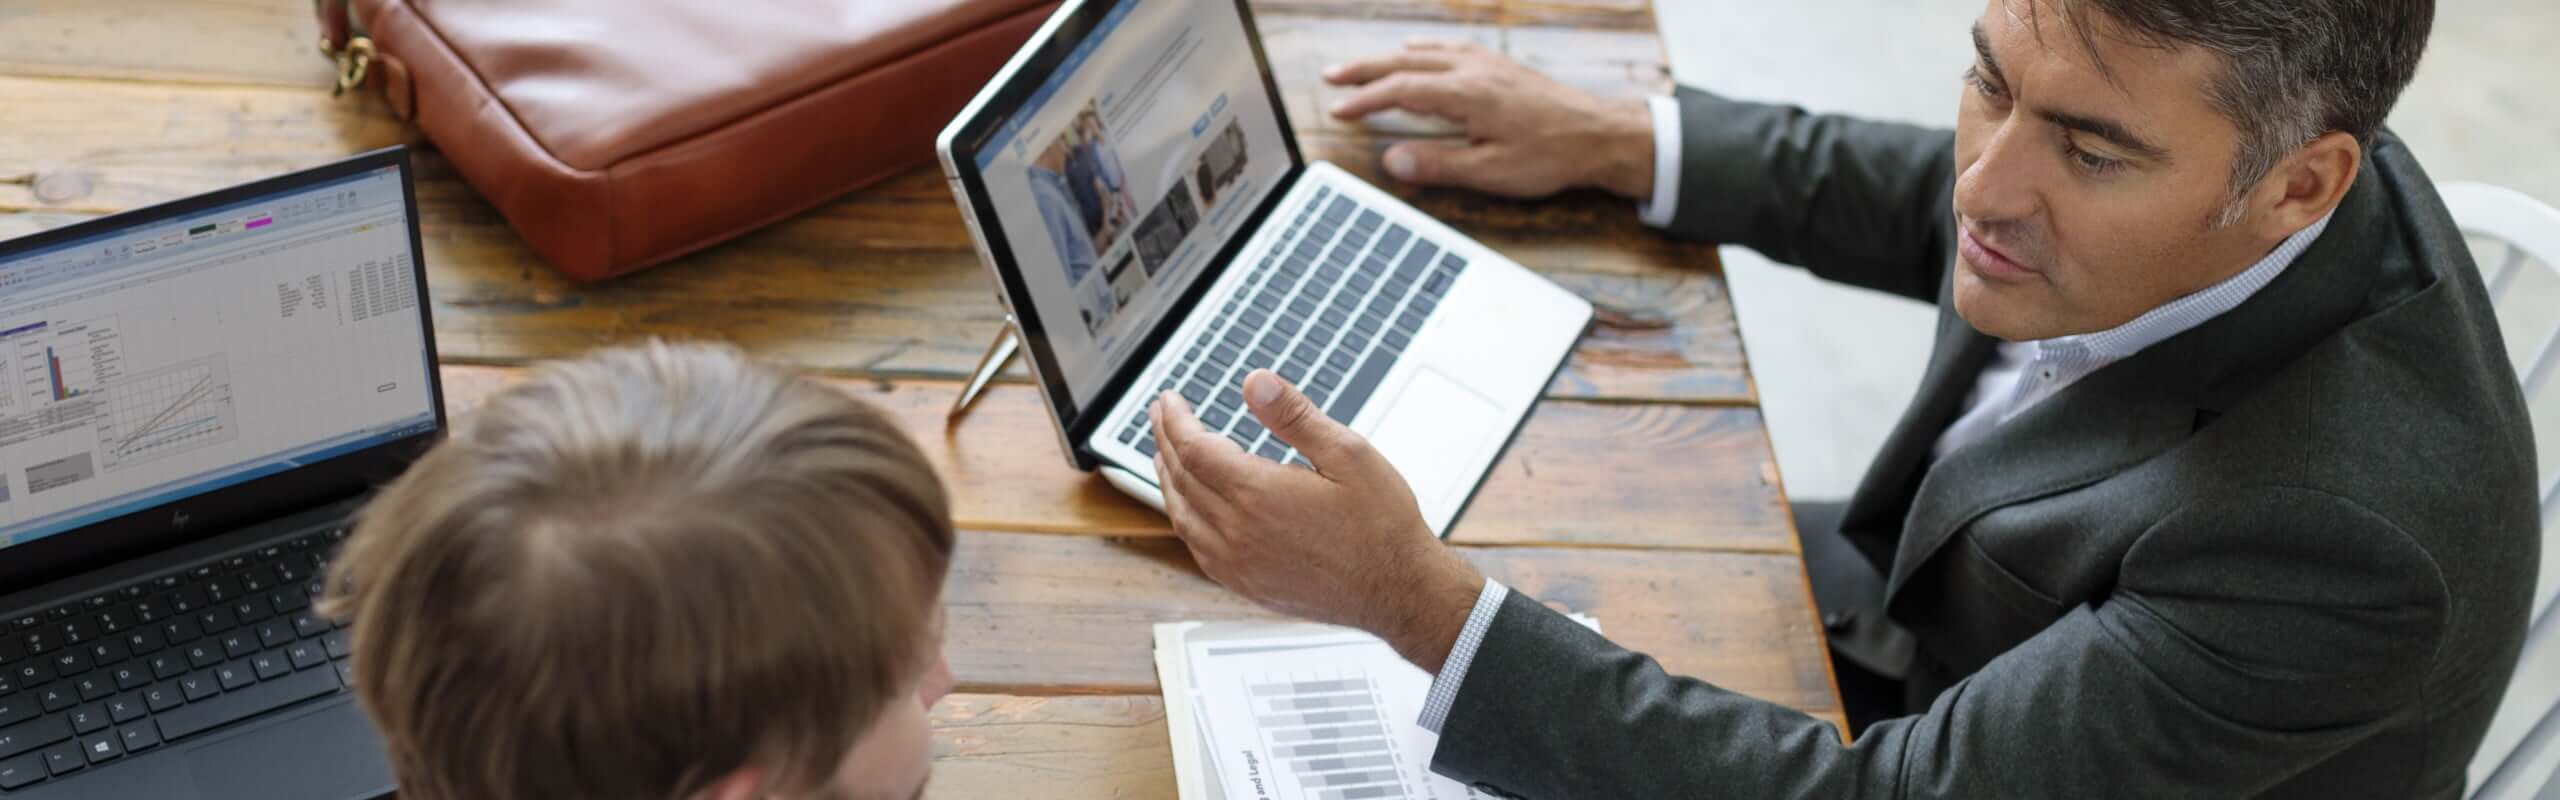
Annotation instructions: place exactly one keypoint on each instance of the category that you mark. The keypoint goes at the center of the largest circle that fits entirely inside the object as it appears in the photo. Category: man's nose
(2000, 184)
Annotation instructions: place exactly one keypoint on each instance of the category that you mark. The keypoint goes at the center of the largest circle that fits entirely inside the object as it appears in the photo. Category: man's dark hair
(2293, 69)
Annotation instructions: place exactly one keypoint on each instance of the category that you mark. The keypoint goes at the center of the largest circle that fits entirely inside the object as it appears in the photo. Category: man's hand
(1342, 544)
(1526, 134)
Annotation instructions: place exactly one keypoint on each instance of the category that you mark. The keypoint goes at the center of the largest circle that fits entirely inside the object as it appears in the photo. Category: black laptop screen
(177, 356)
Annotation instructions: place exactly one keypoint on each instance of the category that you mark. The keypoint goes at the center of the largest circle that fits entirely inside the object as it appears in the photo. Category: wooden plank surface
(1063, 748)
(882, 282)
(1706, 481)
(1033, 614)
(274, 42)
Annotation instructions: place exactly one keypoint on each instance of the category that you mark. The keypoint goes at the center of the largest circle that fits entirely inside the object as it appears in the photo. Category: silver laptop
(1132, 181)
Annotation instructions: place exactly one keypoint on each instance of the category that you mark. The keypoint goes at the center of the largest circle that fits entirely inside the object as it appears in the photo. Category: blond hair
(639, 571)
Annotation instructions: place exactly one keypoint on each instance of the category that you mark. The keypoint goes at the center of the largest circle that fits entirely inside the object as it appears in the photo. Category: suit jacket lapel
(2099, 426)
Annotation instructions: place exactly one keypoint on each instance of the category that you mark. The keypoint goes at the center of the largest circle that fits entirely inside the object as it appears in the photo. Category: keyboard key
(141, 642)
(36, 642)
(124, 708)
(214, 620)
(1147, 447)
(130, 676)
(1339, 360)
(64, 758)
(30, 673)
(1328, 277)
(1332, 319)
(138, 738)
(1393, 342)
(336, 641)
(275, 632)
(1287, 326)
(1369, 220)
(306, 655)
(14, 710)
(1302, 308)
(234, 674)
(89, 718)
(307, 626)
(106, 652)
(101, 749)
(289, 599)
(1255, 318)
(1436, 285)
(1271, 450)
(1215, 418)
(93, 687)
(198, 717)
(269, 665)
(252, 610)
(18, 772)
(237, 644)
(162, 697)
(1247, 430)
(1356, 393)
(199, 685)
(58, 696)
(179, 631)
(70, 662)
(166, 665)
(21, 738)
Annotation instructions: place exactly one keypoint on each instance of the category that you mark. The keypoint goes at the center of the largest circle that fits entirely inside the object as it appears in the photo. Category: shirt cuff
(1453, 671)
(1658, 211)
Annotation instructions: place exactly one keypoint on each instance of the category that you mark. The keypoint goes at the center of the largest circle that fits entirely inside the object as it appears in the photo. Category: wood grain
(186, 41)
(1034, 614)
(1578, 474)
(1084, 747)
(273, 42)
(882, 282)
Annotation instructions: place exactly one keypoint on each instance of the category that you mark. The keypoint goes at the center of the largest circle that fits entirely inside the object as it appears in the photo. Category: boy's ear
(739, 785)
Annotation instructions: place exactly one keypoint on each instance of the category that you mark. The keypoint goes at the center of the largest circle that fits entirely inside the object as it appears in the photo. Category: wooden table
(1642, 490)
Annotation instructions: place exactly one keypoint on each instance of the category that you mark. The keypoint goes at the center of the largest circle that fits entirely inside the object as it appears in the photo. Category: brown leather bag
(616, 134)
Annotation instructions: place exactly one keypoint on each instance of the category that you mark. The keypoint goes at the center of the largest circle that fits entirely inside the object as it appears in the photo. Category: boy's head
(655, 572)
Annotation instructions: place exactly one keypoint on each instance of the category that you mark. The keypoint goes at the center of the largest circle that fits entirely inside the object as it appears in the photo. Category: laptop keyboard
(166, 658)
(1330, 309)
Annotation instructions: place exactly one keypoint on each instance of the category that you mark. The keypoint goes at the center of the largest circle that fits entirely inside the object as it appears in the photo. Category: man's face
(894, 756)
(2083, 202)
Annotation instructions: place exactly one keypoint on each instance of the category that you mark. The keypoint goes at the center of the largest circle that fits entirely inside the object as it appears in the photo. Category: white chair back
(2516, 241)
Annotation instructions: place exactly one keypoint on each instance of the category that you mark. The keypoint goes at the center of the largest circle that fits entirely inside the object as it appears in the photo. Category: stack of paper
(1295, 711)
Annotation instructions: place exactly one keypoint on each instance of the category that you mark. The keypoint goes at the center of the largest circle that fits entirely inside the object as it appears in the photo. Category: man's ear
(2306, 185)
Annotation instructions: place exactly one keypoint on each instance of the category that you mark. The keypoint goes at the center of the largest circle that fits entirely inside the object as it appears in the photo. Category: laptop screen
(1128, 168)
(181, 355)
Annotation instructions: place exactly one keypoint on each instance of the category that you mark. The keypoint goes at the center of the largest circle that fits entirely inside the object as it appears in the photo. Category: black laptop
(193, 397)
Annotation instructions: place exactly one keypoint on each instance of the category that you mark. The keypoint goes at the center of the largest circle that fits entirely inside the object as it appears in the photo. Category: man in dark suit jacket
(2218, 482)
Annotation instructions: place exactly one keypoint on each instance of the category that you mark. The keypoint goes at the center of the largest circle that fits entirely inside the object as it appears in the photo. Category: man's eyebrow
(1982, 47)
(2108, 130)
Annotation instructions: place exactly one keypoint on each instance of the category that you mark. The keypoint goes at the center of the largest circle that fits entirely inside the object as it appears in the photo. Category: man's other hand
(1343, 543)
(1526, 134)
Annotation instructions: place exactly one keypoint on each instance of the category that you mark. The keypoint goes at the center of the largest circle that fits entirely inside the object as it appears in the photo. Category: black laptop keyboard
(166, 658)
(1330, 309)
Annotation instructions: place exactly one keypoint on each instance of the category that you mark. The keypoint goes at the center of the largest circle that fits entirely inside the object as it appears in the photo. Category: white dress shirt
(2024, 374)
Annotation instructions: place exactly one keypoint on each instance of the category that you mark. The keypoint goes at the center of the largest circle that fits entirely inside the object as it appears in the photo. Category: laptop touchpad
(331, 753)
(1435, 434)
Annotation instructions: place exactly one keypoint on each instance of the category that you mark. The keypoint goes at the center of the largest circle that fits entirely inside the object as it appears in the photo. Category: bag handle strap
(342, 38)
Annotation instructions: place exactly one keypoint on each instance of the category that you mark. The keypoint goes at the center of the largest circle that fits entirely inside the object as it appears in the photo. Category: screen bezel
(971, 134)
(189, 519)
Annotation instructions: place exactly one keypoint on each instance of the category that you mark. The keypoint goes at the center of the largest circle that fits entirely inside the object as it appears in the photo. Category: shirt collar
(2177, 316)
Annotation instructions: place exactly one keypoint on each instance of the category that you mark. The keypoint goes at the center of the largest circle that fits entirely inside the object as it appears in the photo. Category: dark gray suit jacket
(2288, 552)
